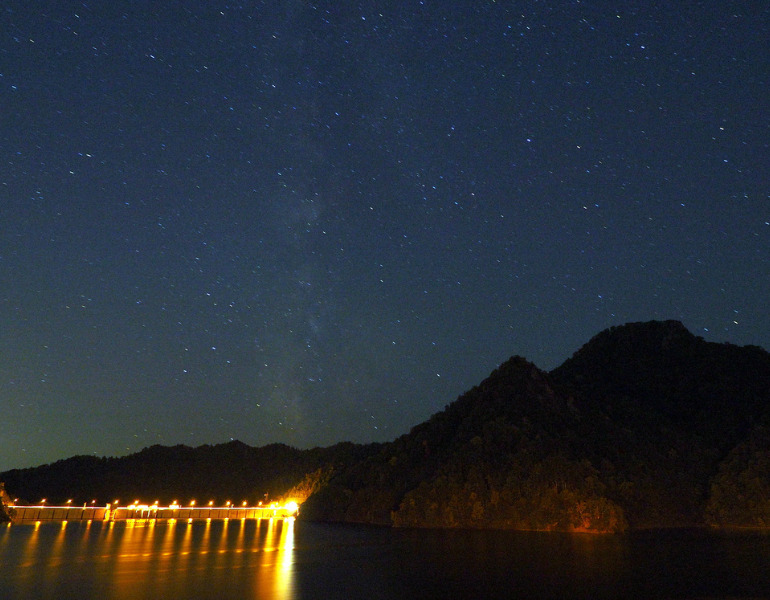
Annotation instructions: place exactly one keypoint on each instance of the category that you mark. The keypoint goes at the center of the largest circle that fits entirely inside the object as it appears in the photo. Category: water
(282, 560)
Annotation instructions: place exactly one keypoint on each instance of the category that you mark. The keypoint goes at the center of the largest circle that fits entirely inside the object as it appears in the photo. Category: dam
(43, 512)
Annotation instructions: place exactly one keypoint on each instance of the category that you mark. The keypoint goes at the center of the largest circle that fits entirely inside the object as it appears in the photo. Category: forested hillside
(645, 426)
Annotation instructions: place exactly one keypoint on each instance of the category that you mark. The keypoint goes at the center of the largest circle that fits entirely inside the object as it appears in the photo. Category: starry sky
(309, 222)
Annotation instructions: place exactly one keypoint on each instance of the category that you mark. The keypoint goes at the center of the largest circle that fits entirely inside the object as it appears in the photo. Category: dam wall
(23, 514)
(59, 513)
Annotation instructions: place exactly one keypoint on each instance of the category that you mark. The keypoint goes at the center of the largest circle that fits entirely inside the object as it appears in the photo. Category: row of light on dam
(290, 506)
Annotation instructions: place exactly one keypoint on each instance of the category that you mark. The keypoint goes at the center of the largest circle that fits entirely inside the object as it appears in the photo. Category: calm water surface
(285, 559)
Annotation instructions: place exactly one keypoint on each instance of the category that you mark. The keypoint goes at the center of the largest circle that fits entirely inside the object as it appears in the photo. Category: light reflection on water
(149, 559)
(278, 560)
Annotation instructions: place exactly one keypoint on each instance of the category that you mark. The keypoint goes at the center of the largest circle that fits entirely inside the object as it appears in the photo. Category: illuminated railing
(114, 512)
(45, 512)
(192, 512)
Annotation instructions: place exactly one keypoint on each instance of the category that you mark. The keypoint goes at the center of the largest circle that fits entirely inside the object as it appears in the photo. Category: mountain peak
(636, 338)
(659, 367)
(632, 348)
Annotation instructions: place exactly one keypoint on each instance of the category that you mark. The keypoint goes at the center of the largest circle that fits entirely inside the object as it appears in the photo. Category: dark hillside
(660, 371)
(231, 471)
(628, 432)
(502, 455)
(667, 408)
(740, 491)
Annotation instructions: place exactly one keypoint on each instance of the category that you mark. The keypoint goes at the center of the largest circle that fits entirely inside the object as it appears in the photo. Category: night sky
(310, 222)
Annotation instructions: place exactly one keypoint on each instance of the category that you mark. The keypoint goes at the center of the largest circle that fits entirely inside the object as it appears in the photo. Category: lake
(279, 560)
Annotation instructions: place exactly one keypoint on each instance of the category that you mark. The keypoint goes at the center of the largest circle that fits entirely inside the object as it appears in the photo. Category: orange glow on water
(143, 556)
(278, 550)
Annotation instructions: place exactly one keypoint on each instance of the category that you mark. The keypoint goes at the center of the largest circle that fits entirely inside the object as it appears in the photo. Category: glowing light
(142, 513)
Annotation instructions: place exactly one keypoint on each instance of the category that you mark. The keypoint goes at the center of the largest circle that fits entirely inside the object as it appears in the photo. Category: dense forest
(645, 426)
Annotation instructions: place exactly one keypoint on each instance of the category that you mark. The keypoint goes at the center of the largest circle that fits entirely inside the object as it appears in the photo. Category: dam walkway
(44, 512)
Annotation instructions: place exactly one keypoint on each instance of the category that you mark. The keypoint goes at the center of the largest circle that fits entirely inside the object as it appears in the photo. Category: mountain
(505, 454)
(661, 370)
(645, 426)
(670, 409)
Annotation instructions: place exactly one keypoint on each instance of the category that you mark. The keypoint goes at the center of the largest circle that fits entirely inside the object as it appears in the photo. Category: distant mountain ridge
(646, 425)
(232, 471)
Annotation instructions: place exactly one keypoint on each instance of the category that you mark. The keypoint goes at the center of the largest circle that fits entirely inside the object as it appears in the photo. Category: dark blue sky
(314, 222)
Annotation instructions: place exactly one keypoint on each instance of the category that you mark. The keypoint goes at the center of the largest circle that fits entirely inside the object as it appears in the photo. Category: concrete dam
(42, 512)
